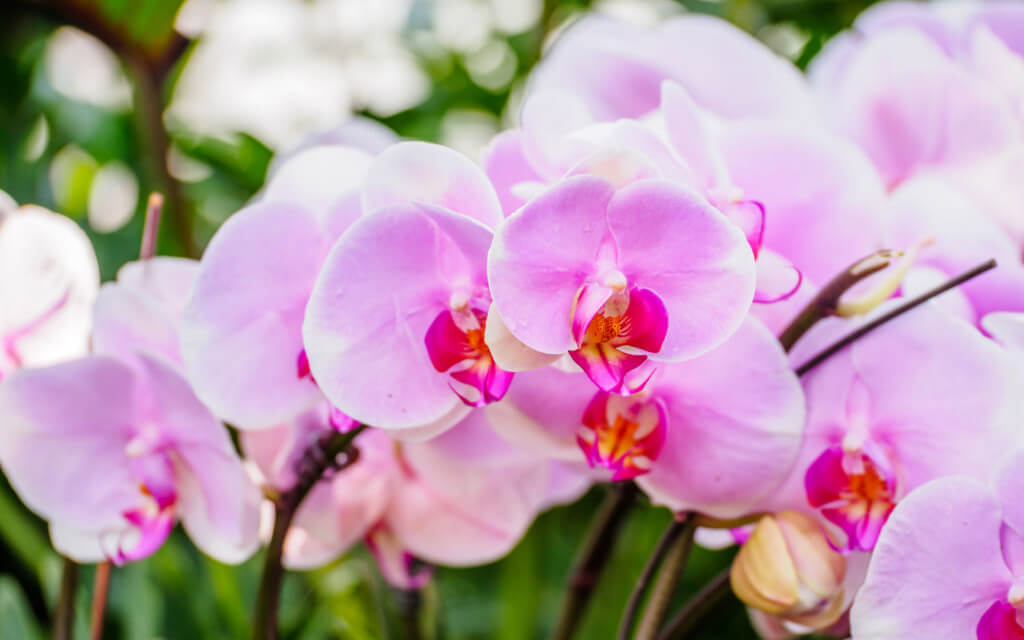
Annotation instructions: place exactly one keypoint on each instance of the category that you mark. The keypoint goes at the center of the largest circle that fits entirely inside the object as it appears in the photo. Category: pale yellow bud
(788, 569)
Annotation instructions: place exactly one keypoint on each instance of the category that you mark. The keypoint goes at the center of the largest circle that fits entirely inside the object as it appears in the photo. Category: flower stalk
(909, 305)
(64, 618)
(593, 557)
(668, 579)
(321, 456)
(100, 589)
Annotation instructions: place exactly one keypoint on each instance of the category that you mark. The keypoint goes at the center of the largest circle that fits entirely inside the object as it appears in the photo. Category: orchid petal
(735, 419)
(424, 173)
(535, 274)
(48, 281)
(367, 350)
(675, 244)
(241, 331)
(950, 527)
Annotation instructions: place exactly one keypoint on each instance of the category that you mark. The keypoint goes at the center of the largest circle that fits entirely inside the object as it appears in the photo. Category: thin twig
(650, 569)
(318, 458)
(100, 589)
(668, 579)
(64, 618)
(894, 313)
(693, 613)
(593, 557)
(825, 303)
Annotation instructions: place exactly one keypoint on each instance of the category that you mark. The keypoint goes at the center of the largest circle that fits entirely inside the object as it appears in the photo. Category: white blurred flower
(83, 68)
(468, 130)
(113, 197)
(280, 69)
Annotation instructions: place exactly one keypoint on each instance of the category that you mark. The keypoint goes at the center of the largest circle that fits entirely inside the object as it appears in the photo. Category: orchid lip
(614, 340)
(624, 435)
(456, 346)
(855, 492)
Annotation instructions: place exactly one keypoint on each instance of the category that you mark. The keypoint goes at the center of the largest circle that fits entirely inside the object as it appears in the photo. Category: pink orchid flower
(653, 271)
(463, 498)
(618, 69)
(949, 563)
(961, 236)
(395, 325)
(715, 434)
(922, 88)
(128, 411)
(241, 333)
(162, 454)
(922, 397)
(48, 280)
(808, 202)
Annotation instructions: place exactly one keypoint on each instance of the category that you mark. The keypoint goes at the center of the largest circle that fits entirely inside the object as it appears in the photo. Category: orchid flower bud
(787, 568)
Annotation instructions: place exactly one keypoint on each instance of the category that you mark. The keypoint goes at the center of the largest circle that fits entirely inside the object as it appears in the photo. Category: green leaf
(16, 619)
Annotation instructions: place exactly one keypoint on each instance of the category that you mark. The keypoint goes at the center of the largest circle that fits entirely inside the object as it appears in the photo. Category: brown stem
(64, 618)
(318, 458)
(100, 588)
(693, 613)
(825, 303)
(593, 557)
(914, 302)
(668, 539)
(671, 571)
(150, 109)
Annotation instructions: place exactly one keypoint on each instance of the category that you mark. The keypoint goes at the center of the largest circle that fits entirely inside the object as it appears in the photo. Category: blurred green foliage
(178, 593)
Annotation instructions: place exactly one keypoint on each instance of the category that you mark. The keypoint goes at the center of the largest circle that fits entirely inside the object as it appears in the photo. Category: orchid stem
(593, 557)
(151, 229)
(318, 458)
(64, 619)
(668, 579)
(676, 529)
(100, 589)
(690, 616)
(410, 604)
(827, 301)
(893, 314)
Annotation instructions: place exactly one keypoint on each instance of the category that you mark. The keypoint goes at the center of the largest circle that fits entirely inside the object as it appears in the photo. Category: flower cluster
(601, 299)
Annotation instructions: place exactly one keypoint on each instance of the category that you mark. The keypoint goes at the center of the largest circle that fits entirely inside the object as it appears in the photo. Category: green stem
(593, 557)
(320, 457)
(668, 539)
(690, 616)
(672, 570)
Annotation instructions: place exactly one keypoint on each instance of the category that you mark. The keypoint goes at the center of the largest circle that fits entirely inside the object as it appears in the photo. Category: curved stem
(64, 618)
(690, 616)
(321, 456)
(671, 571)
(100, 588)
(593, 557)
(671, 534)
(827, 301)
(914, 302)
